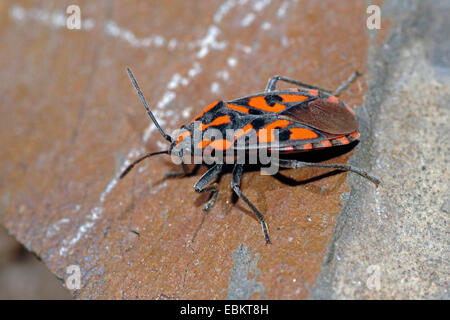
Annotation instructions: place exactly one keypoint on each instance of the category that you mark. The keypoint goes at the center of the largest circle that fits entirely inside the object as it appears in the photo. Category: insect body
(306, 118)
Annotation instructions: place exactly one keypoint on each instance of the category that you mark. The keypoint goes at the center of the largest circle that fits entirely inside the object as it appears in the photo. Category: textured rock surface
(393, 243)
(70, 120)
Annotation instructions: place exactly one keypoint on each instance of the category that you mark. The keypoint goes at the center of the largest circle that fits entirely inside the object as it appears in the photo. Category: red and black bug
(307, 118)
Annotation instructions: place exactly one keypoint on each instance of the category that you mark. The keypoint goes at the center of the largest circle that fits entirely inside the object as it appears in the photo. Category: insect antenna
(141, 95)
(135, 162)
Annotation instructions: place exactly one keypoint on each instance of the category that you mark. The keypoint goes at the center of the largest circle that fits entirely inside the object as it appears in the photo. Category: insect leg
(236, 184)
(202, 184)
(272, 84)
(347, 83)
(285, 163)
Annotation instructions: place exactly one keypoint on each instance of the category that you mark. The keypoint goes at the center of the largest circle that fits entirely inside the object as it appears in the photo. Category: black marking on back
(259, 123)
(271, 99)
(241, 101)
(284, 135)
(255, 112)
(209, 116)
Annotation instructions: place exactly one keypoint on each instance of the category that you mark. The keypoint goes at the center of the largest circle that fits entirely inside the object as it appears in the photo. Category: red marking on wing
(216, 122)
(243, 131)
(204, 143)
(221, 144)
(302, 134)
(354, 135)
(293, 97)
(333, 99)
(209, 107)
(342, 140)
(182, 136)
(237, 108)
(266, 134)
(259, 102)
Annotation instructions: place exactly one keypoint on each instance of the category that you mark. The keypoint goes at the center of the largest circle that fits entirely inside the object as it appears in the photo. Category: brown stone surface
(70, 119)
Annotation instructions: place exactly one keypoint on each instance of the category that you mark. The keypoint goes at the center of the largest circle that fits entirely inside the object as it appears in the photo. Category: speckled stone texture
(70, 121)
(393, 243)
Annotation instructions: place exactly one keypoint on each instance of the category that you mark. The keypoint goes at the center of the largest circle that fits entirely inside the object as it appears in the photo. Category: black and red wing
(327, 114)
(299, 119)
(269, 102)
(262, 132)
